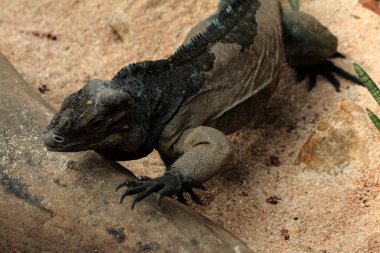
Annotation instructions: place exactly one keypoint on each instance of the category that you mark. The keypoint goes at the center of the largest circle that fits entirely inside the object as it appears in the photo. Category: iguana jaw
(70, 148)
(56, 142)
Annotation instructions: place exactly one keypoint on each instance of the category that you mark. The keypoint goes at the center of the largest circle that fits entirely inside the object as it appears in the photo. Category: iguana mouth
(56, 142)
(70, 147)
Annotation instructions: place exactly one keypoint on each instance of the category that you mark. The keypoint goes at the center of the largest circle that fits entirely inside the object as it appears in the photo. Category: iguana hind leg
(308, 47)
(202, 153)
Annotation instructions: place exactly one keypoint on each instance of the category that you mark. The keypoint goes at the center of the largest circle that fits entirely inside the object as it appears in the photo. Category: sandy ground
(266, 196)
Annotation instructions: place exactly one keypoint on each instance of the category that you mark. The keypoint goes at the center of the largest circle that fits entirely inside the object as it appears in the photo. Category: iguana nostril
(58, 138)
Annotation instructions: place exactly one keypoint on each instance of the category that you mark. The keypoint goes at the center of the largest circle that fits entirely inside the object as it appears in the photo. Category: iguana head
(96, 117)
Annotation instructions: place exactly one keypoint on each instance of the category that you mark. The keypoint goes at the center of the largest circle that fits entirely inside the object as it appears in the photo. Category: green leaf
(374, 119)
(294, 4)
(373, 89)
(368, 82)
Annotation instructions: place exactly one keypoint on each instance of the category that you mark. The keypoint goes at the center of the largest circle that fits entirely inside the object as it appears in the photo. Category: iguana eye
(96, 124)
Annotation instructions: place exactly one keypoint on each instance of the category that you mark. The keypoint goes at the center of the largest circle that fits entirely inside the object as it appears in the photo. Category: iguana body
(184, 105)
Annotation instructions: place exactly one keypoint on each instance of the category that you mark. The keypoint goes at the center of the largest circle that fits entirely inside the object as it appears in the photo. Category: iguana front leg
(203, 151)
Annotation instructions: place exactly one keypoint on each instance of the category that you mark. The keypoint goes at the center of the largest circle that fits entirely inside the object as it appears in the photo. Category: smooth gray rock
(61, 202)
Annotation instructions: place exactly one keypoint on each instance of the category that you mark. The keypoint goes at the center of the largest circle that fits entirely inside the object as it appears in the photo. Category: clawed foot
(169, 184)
(327, 69)
(189, 189)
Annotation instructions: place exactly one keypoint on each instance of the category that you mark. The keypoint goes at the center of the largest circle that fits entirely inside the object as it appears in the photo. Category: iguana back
(246, 59)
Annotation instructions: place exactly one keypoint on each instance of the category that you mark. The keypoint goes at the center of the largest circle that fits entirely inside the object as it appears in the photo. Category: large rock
(339, 139)
(60, 202)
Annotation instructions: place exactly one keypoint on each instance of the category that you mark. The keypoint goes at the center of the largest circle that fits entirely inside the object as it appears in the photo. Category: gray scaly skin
(185, 105)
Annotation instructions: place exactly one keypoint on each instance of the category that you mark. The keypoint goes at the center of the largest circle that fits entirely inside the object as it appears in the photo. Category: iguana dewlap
(184, 106)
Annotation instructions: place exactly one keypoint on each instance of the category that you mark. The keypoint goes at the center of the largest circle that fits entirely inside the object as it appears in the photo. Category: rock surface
(56, 202)
(338, 140)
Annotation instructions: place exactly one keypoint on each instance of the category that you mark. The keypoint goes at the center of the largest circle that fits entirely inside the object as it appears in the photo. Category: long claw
(181, 198)
(162, 193)
(131, 191)
(133, 203)
(133, 187)
(122, 197)
(159, 197)
(135, 190)
(129, 183)
(119, 185)
(144, 194)
(338, 55)
(195, 197)
(331, 78)
(312, 80)
(341, 72)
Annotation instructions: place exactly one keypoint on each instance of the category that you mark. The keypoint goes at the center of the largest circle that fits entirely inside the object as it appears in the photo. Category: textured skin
(240, 101)
(184, 105)
(196, 144)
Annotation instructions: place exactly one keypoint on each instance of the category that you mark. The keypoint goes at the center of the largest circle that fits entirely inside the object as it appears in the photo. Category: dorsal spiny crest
(143, 67)
(224, 21)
